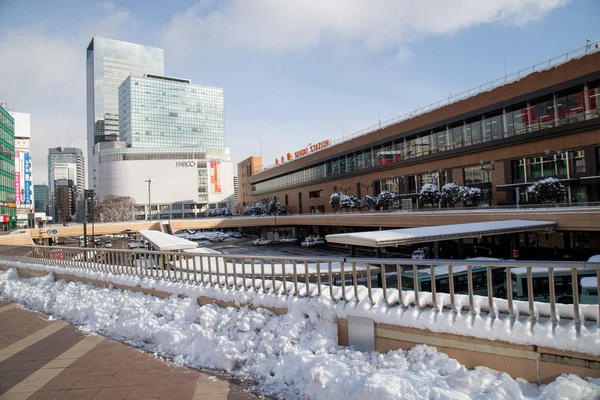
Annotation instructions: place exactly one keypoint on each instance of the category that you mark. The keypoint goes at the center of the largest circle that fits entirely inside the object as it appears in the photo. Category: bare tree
(116, 209)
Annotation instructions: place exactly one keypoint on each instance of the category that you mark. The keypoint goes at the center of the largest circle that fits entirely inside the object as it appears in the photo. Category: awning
(512, 186)
(165, 242)
(396, 237)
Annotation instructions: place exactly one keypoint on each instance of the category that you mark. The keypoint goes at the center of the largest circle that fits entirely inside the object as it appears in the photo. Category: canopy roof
(396, 237)
(165, 242)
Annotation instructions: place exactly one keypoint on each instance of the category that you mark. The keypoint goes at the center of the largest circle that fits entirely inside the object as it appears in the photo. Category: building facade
(8, 210)
(171, 156)
(24, 190)
(160, 112)
(109, 63)
(66, 169)
(545, 124)
(167, 184)
(40, 198)
(236, 192)
(245, 170)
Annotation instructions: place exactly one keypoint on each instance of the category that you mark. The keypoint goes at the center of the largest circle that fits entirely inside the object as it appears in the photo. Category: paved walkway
(41, 359)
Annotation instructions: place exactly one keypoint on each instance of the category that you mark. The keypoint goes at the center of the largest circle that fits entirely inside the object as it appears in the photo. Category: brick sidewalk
(41, 359)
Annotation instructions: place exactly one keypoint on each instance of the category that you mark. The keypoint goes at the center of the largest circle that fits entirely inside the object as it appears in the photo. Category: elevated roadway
(571, 219)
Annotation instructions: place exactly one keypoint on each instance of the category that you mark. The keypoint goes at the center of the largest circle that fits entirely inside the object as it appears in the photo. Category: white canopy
(395, 237)
(165, 242)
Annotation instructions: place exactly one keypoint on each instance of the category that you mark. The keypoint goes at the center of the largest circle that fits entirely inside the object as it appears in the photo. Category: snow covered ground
(291, 356)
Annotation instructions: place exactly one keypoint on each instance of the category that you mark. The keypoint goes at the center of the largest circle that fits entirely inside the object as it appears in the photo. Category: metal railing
(393, 282)
(453, 98)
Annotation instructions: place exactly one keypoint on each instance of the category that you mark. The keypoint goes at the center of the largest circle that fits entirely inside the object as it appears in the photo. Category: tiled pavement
(41, 359)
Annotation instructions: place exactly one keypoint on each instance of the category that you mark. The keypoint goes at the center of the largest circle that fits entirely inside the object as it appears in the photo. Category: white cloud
(44, 74)
(282, 26)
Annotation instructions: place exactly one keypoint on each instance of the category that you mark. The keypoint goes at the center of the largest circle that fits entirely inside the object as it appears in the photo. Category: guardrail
(352, 280)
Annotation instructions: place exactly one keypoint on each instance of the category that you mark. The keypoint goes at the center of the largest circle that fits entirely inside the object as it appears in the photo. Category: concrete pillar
(461, 249)
(378, 252)
(352, 251)
(436, 249)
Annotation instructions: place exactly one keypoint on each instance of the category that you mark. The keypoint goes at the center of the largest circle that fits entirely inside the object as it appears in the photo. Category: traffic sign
(515, 253)
(49, 232)
(54, 231)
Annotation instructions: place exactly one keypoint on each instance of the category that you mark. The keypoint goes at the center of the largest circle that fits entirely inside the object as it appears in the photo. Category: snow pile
(292, 356)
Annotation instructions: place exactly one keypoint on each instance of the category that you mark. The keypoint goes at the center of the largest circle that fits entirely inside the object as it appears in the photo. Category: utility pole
(149, 200)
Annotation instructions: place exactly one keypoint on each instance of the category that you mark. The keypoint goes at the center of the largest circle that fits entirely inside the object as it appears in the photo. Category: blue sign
(27, 179)
(54, 231)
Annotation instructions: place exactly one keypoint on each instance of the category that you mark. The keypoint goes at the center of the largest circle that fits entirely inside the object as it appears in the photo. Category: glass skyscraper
(158, 112)
(109, 63)
(66, 164)
(8, 211)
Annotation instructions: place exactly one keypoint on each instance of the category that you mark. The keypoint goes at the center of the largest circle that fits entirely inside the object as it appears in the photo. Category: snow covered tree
(218, 212)
(356, 203)
(549, 189)
(334, 200)
(429, 194)
(452, 193)
(369, 202)
(385, 199)
(116, 209)
(472, 195)
(275, 207)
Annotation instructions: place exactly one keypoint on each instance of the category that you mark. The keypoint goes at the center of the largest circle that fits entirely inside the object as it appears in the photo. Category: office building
(172, 144)
(109, 63)
(544, 124)
(40, 198)
(23, 170)
(66, 164)
(236, 192)
(160, 112)
(65, 194)
(8, 210)
(245, 170)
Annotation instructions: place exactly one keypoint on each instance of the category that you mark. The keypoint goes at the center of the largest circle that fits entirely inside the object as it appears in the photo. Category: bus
(460, 277)
(563, 291)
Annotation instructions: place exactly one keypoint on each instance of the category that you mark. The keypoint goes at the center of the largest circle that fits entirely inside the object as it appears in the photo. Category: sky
(293, 72)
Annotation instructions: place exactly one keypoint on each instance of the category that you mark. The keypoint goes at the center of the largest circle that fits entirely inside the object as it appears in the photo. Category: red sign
(515, 253)
(300, 153)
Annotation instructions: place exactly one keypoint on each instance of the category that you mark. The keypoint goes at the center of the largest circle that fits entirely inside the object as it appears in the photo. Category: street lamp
(488, 168)
(149, 200)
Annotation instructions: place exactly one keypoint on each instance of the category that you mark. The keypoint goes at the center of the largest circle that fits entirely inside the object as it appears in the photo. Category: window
(593, 100)
(569, 106)
(542, 114)
(578, 161)
(516, 120)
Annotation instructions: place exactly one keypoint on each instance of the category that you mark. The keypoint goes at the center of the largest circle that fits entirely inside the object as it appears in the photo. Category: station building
(501, 139)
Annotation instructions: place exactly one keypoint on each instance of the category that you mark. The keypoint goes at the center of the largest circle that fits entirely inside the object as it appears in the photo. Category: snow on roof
(443, 269)
(395, 237)
(165, 242)
(202, 250)
(595, 258)
(590, 281)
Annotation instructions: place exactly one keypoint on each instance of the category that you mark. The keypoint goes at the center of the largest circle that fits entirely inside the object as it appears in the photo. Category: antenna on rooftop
(587, 44)
(378, 113)
(505, 70)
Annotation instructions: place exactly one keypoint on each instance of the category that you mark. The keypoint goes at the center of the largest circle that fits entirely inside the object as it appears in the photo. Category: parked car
(312, 241)
(236, 235)
(261, 241)
(288, 239)
(418, 255)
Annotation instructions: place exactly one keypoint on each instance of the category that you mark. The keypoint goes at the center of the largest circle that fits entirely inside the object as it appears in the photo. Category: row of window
(563, 164)
(573, 105)
(6, 121)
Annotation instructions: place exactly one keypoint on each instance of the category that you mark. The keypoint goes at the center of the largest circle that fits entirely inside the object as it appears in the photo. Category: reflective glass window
(569, 106)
